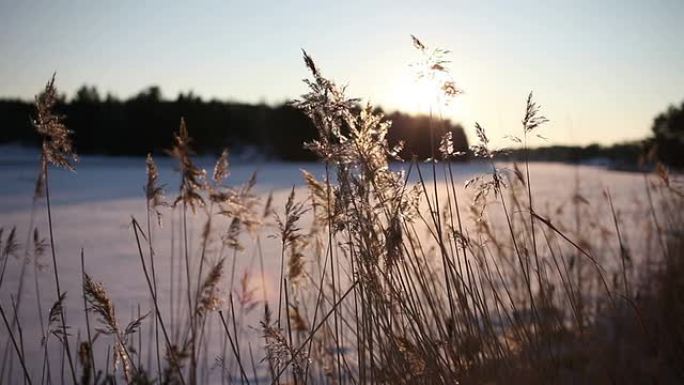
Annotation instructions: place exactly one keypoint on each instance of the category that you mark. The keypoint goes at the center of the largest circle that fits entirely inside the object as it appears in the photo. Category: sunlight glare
(421, 96)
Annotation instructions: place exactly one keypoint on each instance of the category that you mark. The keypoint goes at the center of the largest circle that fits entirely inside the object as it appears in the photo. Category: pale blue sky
(600, 69)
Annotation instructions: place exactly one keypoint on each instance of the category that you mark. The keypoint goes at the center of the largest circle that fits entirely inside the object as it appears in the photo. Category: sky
(601, 70)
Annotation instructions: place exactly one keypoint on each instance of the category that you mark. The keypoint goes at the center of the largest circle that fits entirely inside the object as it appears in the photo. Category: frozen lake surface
(92, 210)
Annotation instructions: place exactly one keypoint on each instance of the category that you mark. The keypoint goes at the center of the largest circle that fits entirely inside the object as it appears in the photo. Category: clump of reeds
(381, 280)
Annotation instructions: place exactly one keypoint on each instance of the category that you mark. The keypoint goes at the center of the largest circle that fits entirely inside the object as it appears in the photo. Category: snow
(93, 207)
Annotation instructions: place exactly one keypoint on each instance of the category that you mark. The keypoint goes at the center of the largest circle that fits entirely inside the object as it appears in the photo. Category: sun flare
(424, 96)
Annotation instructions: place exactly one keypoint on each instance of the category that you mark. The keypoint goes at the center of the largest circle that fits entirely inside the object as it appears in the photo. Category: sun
(414, 95)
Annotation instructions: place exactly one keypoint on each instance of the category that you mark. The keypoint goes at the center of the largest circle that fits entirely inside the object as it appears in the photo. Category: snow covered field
(92, 210)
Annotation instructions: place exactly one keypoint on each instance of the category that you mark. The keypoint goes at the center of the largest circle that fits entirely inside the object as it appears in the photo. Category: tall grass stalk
(20, 356)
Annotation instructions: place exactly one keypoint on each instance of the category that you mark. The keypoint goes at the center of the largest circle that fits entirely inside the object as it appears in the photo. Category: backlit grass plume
(432, 68)
(292, 239)
(10, 246)
(209, 298)
(57, 146)
(192, 177)
(54, 316)
(100, 304)
(221, 169)
(153, 191)
(279, 350)
(236, 203)
(354, 139)
(290, 232)
(329, 109)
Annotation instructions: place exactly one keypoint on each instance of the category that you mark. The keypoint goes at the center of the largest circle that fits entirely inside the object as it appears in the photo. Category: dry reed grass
(389, 283)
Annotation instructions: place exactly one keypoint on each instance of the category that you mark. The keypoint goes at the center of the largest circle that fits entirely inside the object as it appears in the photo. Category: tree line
(145, 122)
(665, 144)
(626, 155)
